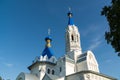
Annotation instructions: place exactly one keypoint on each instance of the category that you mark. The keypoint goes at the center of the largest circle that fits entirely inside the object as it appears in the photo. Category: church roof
(82, 57)
(39, 63)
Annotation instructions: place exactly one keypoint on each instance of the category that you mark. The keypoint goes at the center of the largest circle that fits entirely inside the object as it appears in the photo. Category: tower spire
(70, 21)
(72, 35)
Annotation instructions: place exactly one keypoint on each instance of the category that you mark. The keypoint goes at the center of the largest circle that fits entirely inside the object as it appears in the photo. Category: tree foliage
(112, 14)
(0, 78)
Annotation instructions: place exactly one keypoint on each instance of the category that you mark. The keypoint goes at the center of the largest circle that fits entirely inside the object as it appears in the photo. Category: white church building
(74, 65)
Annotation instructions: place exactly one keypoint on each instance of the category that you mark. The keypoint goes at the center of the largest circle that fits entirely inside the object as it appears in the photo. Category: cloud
(8, 64)
(95, 34)
(108, 61)
(95, 43)
(93, 28)
(3, 62)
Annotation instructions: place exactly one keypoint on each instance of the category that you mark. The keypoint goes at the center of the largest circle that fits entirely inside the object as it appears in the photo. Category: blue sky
(24, 25)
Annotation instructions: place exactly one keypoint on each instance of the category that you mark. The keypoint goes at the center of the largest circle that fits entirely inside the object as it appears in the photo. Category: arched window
(53, 72)
(48, 71)
(72, 37)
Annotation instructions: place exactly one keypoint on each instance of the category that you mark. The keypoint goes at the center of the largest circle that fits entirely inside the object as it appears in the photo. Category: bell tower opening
(72, 37)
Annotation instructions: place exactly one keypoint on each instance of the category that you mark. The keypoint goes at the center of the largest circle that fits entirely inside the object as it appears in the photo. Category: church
(74, 65)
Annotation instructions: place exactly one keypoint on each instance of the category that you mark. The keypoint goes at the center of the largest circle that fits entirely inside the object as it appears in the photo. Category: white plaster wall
(82, 66)
(60, 63)
(51, 67)
(66, 66)
(62, 78)
(70, 68)
(87, 76)
(35, 70)
(72, 44)
(91, 76)
(92, 62)
(75, 77)
(38, 70)
(76, 54)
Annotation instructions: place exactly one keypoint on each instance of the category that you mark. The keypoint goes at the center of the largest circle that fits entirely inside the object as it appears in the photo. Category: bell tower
(72, 35)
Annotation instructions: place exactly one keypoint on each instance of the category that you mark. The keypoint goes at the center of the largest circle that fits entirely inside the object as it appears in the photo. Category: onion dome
(70, 21)
(48, 51)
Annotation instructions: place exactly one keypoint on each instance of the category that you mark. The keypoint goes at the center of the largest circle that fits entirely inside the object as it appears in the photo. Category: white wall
(92, 62)
(82, 66)
(70, 68)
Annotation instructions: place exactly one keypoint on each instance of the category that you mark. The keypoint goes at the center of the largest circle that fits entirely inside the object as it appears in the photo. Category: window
(36, 75)
(48, 71)
(60, 69)
(72, 37)
(53, 72)
(40, 70)
(53, 60)
(77, 38)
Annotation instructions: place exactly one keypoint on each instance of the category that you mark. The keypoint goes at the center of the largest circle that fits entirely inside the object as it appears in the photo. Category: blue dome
(47, 51)
(70, 13)
(48, 38)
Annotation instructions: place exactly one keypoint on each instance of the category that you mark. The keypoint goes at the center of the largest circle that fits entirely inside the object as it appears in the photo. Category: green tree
(0, 78)
(112, 14)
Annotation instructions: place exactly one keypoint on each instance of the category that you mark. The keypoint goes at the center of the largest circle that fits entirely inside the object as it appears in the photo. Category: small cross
(69, 8)
(49, 31)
